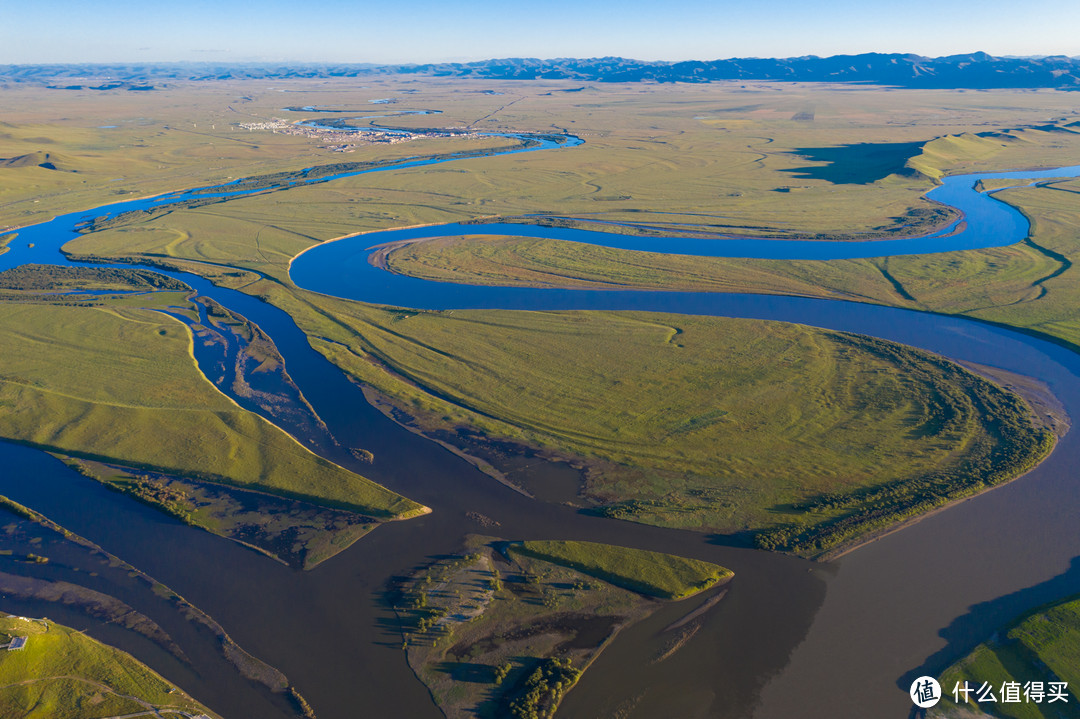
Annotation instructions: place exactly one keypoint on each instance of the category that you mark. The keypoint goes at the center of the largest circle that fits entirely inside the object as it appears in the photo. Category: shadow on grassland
(858, 164)
(984, 619)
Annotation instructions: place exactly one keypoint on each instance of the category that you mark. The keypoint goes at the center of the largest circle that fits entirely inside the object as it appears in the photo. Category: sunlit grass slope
(64, 674)
(1042, 647)
(119, 384)
(653, 573)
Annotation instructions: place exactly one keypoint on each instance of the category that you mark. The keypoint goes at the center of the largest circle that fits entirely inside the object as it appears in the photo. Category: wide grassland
(727, 158)
(1043, 646)
(64, 674)
(100, 147)
(118, 384)
(676, 159)
(65, 150)
(652, 573)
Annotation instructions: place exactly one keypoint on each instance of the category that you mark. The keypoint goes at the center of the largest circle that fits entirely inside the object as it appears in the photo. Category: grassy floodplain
(1029, 285)
(860, 432)
(1042, 646)
(64, 674)
(718, 158)
(508, 628)
(299, 534)
(117, 383)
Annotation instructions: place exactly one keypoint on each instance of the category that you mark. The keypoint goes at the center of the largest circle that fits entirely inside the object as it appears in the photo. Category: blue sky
(425, 31)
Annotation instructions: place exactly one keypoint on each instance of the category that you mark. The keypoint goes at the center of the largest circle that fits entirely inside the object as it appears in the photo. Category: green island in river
(507, 629)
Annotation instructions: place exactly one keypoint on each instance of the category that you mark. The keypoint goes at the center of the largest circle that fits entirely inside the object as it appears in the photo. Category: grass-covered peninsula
(797, 439)
(115, 381)
(804, 438)
(1030, 285)
(63, 674)
(675, 421)
(640, 385)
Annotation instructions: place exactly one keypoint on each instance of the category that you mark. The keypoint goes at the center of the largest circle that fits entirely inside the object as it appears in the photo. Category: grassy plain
(671, 437)
(64, 150)
(724, 157)
(728, 149)
(63, 674)
(719, 157)
(650, 573)
(505, 632)
(118, 383)
(1043, 646)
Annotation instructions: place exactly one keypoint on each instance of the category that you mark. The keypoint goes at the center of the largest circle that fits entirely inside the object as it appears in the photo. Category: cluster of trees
(422, 617)
(539, 695)
(630, 509)
(159, 494)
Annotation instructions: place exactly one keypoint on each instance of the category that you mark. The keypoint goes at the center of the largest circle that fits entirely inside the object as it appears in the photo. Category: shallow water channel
(791, 638)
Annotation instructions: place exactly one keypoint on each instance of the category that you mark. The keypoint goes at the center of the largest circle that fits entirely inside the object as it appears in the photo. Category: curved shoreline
(857, 543)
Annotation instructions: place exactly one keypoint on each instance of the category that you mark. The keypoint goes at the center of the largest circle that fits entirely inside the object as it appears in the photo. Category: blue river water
(986, 222)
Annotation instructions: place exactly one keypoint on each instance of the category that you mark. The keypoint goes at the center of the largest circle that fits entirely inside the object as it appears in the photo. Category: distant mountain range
(976, 70)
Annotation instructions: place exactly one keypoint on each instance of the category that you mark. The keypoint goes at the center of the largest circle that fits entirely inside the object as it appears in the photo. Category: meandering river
(792, 638)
